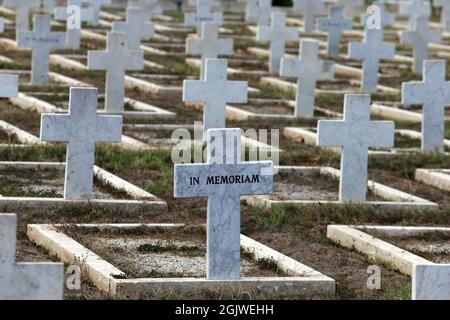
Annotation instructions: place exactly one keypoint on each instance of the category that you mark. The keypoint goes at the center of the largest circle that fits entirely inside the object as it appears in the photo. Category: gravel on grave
(172, 255)
(43, 183)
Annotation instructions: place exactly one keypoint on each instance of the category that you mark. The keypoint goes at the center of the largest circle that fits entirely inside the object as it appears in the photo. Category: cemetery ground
(298, 231)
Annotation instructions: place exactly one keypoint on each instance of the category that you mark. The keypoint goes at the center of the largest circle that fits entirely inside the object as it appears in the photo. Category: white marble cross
(371, 51)
(419, 38)
(277, 35)
(350, 6)
(259, 13)
(214, 92)
(309, 9)
(445, 13)
(96, 5)
(73, 29)
(2, 25)
(25, 280)
(386, 18)
(9, 85)
(150, 8)
(251, 11)
(116, 59)
(223, 179)
(135, 28)
(334, 25)
(209, 45)
(355, 134)
(203, 14)
(433, 93)
(81, 128)
(431, 282)
(49, 6)
(41, 40)
(415, 9)
(308, 69)
(22, 8)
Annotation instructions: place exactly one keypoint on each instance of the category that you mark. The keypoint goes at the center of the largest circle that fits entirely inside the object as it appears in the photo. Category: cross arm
(235, 91)
(135, 60)
(97, 60)
(55, 127)
(381, 133)
(205, 180)
(331, 133)
(9, 85)
(414, 93)
(109, 129)
(8, 226)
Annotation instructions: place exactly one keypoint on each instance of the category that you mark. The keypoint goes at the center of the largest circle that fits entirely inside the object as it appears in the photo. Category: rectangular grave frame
(301, 277)
(438, 178)
(396, 199)
(140, 199)
(354, 238)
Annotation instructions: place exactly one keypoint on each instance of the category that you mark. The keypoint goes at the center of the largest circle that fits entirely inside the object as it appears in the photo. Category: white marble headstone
(209, 45)
(150, 8)
(223, 180)
(96, 5)
(22, 8)
(308, 69)
(9, 85)
(25, 280)
(81, 129)
(445, 13)
(135, 28)
(309, 9)
(259, 12)
(350, 7)
(371, 51)
(334, 25)
(431, 282)
(277, 35)
(202, 15)
(433, 93)
(116, 59)
(415, 9)
(41, 40)
(214, 92)
(385, 18)
(355, 134)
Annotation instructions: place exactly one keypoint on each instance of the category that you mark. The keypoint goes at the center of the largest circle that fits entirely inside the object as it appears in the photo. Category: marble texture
(116, 59)
(277, 35)
(215, 92)
(218, 180)
(251, 11)
(386, 18)
(150, 8)
(414, 9)
(355, 134)
(308, 69)
(25, 280)
(445, 13)
(433, 93)
(371, 51)
(259, 12)
(135, 28)
(419, 38)
(209, 45)
(350, 7)
(81, 128)
(203, 14)
(73, 33)
(22, 8)
(41, 40)
(334, 25)
(309, 9)
(431, 282)
(96, 5)
(48, 6)
(2, 25)
(9, 85)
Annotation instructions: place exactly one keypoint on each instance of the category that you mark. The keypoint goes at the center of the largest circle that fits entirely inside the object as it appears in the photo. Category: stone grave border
(354, 238)
(396, 199)
(393, 113)
(141, 199)
(438, 178)
(107, 277)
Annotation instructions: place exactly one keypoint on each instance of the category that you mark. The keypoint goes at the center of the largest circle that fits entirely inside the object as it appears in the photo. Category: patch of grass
(398, 293)
(267, 264)
(160, 248)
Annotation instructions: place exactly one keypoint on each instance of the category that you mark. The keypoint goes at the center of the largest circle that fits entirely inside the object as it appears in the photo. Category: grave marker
(209, 45)
(355, 134)
(41, 40)
(203, 14)
(149, 8)
(25, 280)
(2, 25)
(419, 38)
(308, 69)
(9, 85)
(386, 18)
(259, 13)
(350, 6)
(277, 35)
(433, 93)
(309, 9)
(81, 129)
(49, 6)
(96, 6)
(214, 92)
(135, 28)
(22, 8)
(223, 179)
(445, 13)
(431, 282)
(116, 59)
(334, 25)
(415, 9)
(371, 51)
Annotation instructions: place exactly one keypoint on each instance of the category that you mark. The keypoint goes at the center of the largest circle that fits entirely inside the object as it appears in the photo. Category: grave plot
(322, 188)
(170, 259)
(28, 184)
(438, 178)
